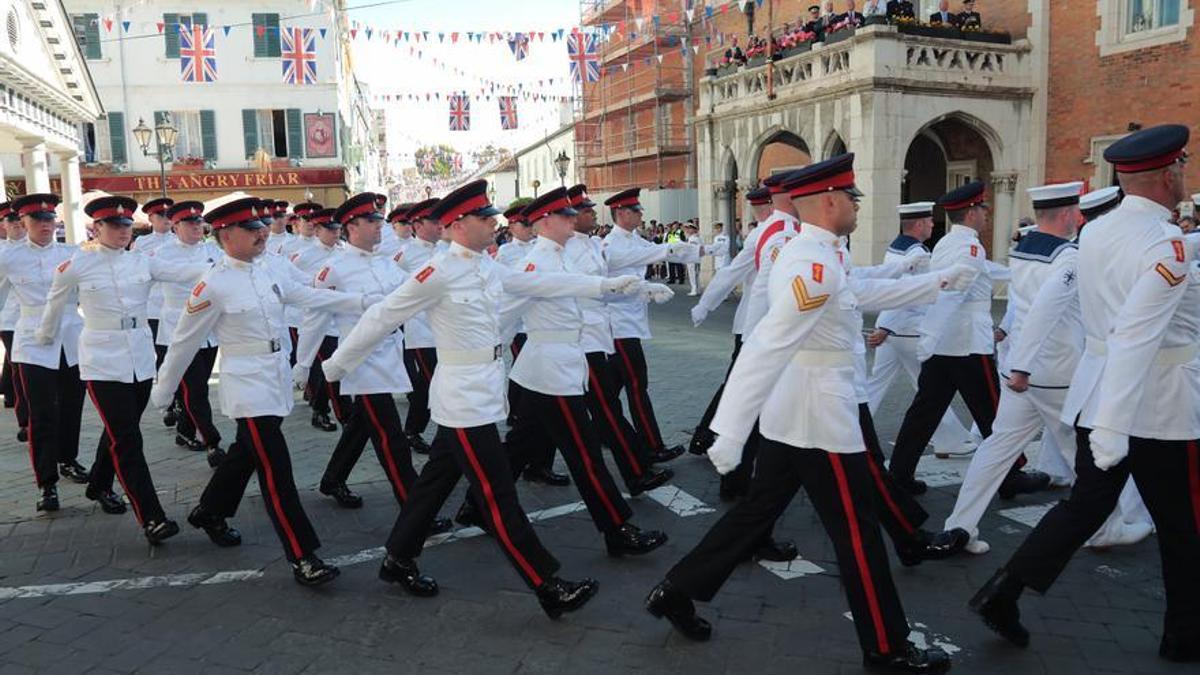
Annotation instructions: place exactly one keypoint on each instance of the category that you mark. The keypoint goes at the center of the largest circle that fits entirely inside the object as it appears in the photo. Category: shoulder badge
(1179, 252)
(804, 301)
(62, 267)
(530, 267)
(774, 254)
(321, 276)
(974, 250)
(198, 289)
(818, 272)
(398, 256)
(424, 274)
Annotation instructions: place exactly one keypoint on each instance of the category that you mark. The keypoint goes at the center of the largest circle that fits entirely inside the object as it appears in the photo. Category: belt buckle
(275, 345)
(128, 322)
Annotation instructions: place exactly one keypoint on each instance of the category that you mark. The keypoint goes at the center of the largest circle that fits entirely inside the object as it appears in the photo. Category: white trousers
(896, 355)
(693, 277)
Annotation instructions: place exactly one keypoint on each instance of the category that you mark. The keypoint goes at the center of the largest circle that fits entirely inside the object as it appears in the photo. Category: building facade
(536, 170)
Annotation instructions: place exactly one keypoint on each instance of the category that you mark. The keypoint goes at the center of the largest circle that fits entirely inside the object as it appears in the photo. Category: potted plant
(875, 20)
(188, 162)
(981, 35)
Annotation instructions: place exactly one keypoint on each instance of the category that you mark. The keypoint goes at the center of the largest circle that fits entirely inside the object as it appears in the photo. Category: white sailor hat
(1098, 201)
(915, 210)
(1053, 196)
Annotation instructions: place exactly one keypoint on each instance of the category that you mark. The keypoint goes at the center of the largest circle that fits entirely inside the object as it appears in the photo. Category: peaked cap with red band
(759, 196)
(835, 173)
(1149, 149)
(399, 214)
(243, 212)
(159, 205)
(280, 208)
(421, 210)
(6, 210)
(186, 211)
(470, 199)
(306, 208)
(963, 197)
(515, 215)
(629, 199)
(112, 209)
(557, 200)
(361, 205)
(774, 182)
(579, 197)
(39, 205)
(324, 218)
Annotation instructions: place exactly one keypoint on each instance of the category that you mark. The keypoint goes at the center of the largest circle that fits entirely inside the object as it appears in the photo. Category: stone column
(37, 168)
(72, 190)
(1004, 213)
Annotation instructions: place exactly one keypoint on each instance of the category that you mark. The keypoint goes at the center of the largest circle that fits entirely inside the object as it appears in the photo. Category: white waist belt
(468, 357)
(554, 336)
(830, 359)
(1167, 356)
(256, 348)
(114, 322)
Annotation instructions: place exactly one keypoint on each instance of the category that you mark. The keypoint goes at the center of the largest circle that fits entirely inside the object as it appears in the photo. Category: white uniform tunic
(26, 271)
(357, 271)
(278, 241)
(242, 303)
(148, 243)
(297, 245)
(960, 322)
(628, 253)
(585, 256)
(175, 295)
(1046, 344)
(720, 251)
(310, 261)
(390, 246)
(10, 308)
(740, 270)
(777, 231)
(411, 259)
(511, 253)
(113, 288)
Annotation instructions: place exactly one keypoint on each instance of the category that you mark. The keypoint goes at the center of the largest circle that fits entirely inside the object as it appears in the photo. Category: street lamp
(561, 163)
(164, 144)
(536, 184)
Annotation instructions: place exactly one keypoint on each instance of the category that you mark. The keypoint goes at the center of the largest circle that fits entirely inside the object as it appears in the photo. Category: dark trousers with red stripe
(260, 447)
(1167, 474)
(192, 400)
(540, 457)
(629, 364)
(374, 418)
(973, 376)
(711, 410)
(10, 383)
(120, 406)
(604, 403)
(737, 482)
(564, 419)
(420, 363)
(55, 406)
(160, 351)
(323, 393)
(899, 513)
(838, 485)
(478, 453)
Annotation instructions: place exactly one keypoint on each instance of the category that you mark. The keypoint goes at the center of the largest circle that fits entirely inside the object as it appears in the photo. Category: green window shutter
(171, 35)
(160, 116)
(93, 36)
(265, 34)
(250, 131)
(116, 135)
(200, 19)
(295, 134)
(260, 41)
(273, 45)
(208, 133)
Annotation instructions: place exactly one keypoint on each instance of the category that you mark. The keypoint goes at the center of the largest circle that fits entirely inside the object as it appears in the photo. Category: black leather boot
(404, 572)
(667, 602)
(996, 603)
(558, 596)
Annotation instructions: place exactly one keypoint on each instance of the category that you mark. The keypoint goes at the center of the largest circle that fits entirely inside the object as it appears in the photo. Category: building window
(171, 26)
(277, 132)
(87, 142)
(1144, 15)
(116, 139)
(87, 34)
(1127, 25)
(196, 134)
(265, 35)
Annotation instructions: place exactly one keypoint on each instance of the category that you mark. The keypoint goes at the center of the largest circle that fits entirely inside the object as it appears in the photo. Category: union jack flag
(585, 62)
(456, 162)
(427, 163)
(519, 44)
(508, 112)
(460, 112)
(299, 55)
(197, 53)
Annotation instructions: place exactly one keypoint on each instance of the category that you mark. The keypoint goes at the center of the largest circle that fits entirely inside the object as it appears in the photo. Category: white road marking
(679, 502)
(924, 638)
(1029, 516)
(793, 569)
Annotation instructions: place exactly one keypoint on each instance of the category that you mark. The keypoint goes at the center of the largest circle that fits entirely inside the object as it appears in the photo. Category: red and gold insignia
(198, 307)
(323, 273)
(398, 256)
(63, 267)
(774, 254)
(974, 251)
(804, 301)
(818, 272)
(530, 267)
(1179, 253)
(1167, 274)
(424, 274)
(294, 256)
(198, 289)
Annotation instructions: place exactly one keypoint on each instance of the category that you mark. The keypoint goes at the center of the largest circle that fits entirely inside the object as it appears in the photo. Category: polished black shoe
(1176, 648)
(49, 499)
(546, 477)
(74, 471)
(23, 435)
(404, 572)
(158, 531)
(441, 526)
(996, 603)
(170, 417)
(342, 495)
(215, 456)
(312, 571)
(666, 454)
(909, 659)
(469, 516)
(666, 602)
(1023, 482)
(189, 443)
(629, 540)
(417, 444)
(321, 421)
(777, 551)
(558, 596)
(107, 499)
(215, 527)
(924, 545)
(911, 485)
(651, 478)
(702, 440)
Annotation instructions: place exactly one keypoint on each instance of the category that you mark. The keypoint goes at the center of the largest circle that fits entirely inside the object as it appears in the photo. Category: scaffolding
(632, 127)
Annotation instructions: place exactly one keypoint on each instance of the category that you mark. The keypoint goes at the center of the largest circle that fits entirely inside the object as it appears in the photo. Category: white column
(72, 190)
(37, 168)
(1004, 213)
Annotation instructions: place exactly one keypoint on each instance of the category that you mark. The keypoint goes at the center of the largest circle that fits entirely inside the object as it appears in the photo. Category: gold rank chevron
(1169, 275)
(803, 300)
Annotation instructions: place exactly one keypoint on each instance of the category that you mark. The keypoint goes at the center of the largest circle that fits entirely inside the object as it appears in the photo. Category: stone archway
(779, 149)
(834, 146)
(947, 153)
(731, 205)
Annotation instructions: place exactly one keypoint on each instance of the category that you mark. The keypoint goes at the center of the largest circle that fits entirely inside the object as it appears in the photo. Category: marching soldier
(302, 232)
(116, 348)
(1099, 202)
(241, 300)
(49, 373)
(10, 314)
(397, 223)
(322, 395)
(1134, 396)
(279, 237)
(551, 373)
(810, 435)
(420, 356)
(195, 429)
(160, 233)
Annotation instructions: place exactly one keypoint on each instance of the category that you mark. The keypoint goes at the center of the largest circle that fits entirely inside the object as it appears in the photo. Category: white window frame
(1112, 38)
(1102, 171)
(189, 141)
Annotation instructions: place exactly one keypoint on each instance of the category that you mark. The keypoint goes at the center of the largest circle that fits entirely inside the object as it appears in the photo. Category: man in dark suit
(814, 24)
(969, 19)
(943, 17)
(850, 17)
(900, 9)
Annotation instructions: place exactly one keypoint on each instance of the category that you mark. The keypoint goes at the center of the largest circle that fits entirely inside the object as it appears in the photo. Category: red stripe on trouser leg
(187, 406)
(587, 460)
(269, 474)
(424, 368)
(333, 401)
(393, 472)
(37, 480)
(887, 496)
(612, 421)
(635, 391)
(112, 451)
(494, 510)
(860, 556)
(1194, 480)
(991, 384)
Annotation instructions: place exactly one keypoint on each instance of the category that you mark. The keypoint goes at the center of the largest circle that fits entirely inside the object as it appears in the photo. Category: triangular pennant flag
(125, 25)
(108, 23)
(226, 29)
(321, 30)
(454, 38)
(659, 57)
(160, 25)
(441, 37)
(369, 32)
(353, 33)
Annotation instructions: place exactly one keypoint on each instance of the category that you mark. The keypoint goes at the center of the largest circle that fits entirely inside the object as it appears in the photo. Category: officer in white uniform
(116, 348)
(241, 300)
(160, 234)
(10, 313)
(279, 237)
(1135, 396)
(692, 235)
(302, 230)
(720, 247)
(420, 356)
(322, 395)
(402, 232)
(811, 436)
(460, 291)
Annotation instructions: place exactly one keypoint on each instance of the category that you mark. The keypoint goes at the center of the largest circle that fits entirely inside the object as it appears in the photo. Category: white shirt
(777, 230)
(296, 245)
(628, 253)
(411, 259)
(390, 246)
(148, 243)
(175, 295)
(1043, 323)
(960, 322)
(739, 271)
(26, 271)
(904, 322)
(584, 256)
(278, 241)
(511, 253)
(10, 309)
(309, 261)
(720, 251)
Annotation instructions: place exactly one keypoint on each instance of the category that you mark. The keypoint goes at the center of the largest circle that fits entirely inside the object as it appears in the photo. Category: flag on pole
(508, 112)
(585, 62)
(460, 112)
(299, 56)
(197, 53)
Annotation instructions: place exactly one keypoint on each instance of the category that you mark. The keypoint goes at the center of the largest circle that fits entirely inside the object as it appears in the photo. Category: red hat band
(111, 212)
(547, 209)
(236, 217)
(30, 209)
(468, 206)
(841, 181)
(360, 210)
(625, 203)
(1150, 164)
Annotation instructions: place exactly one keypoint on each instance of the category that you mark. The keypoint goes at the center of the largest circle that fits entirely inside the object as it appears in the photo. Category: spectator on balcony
(943, 17)
(874, 8)
(969, 19)
(813, 24)
(900, 10)
(848, 19)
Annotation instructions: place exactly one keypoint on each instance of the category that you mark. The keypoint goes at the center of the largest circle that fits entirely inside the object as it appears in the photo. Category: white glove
(1108, 447)
(333, 371)
(699, 314)
(160, 398)
(658, 293)
(725, 454)
(918, 261)
(957, 278)
(626, 284)
(371, 298)
(300, 375)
